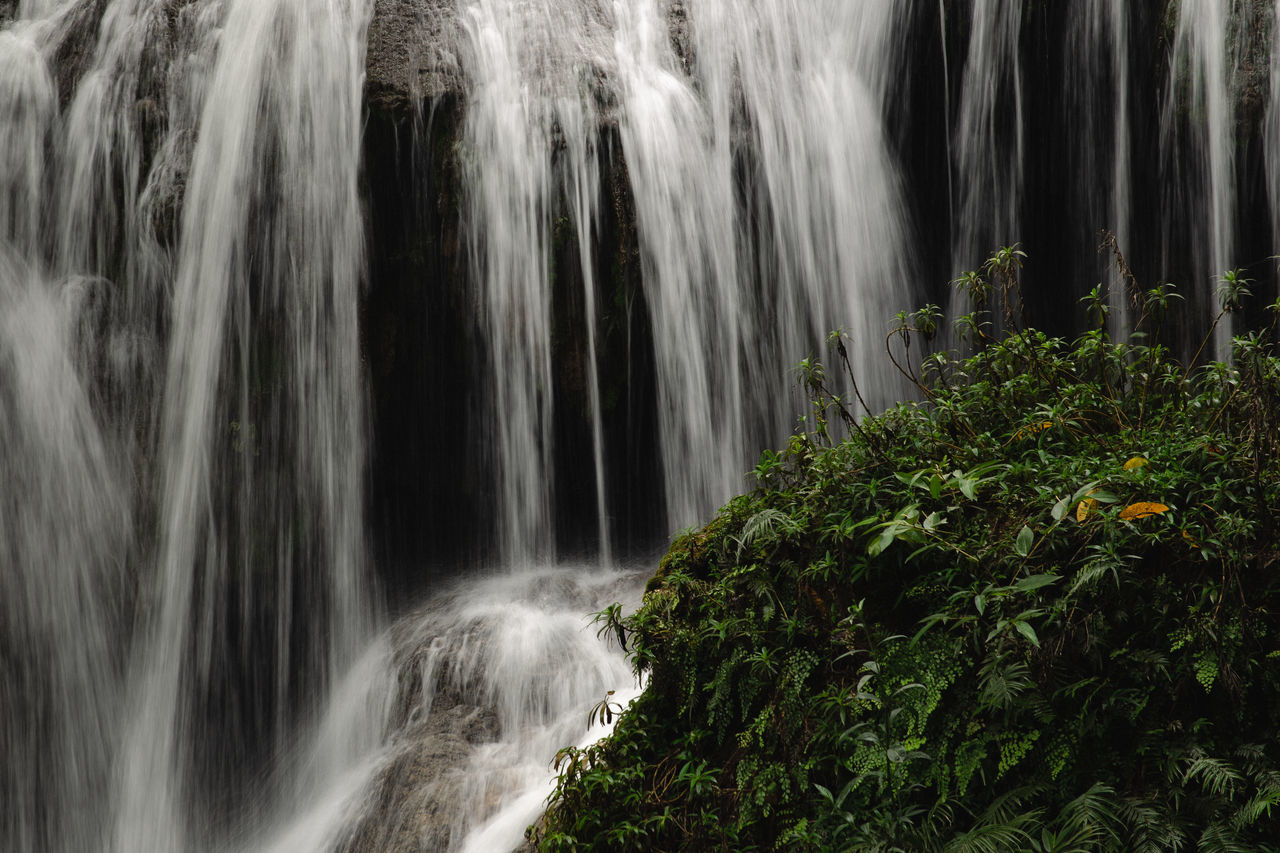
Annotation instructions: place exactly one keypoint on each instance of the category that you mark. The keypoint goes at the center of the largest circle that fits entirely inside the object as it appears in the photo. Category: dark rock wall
(431, 507)
(419, 344)
(625, 361)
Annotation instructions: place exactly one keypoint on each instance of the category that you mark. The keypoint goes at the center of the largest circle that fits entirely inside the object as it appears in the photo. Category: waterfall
(636, 217)
(63, 545)
(524, 64)
(769, 210)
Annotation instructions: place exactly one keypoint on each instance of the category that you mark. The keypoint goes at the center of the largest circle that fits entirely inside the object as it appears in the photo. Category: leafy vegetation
(1036, 610)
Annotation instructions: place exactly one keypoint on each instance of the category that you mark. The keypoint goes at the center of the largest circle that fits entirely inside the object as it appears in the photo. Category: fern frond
(1218, 838)
(1000, 681)
(1089, 575)
(1092, 817)
(1252, 756)
(996, 837)
(1149, 830)
(1007, 806)
(1215, 776)
(1257, 807)
(767, 525)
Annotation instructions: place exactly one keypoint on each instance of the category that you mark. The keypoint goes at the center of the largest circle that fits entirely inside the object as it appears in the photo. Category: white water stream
(1201, 164)
(1096, 99)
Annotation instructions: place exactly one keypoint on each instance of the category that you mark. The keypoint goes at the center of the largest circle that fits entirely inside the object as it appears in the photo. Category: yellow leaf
(1142, 510)
(1085, 507)
(1135, 463)
(1191, 540)
(1032, 429)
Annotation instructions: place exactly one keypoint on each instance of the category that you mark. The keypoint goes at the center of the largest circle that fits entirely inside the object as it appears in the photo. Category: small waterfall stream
(1201, 162)
(1096, 99)
(989, 137)
(199, 647)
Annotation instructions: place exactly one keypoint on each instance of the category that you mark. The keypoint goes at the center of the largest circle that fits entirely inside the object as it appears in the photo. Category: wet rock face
(415, 797)
(436, 725)
(74, 54)
(410, 56)
(1252, 80)
(681, 38)
(8, 11)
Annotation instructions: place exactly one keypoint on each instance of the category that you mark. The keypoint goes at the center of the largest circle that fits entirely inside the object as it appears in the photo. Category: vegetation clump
(1037, 610)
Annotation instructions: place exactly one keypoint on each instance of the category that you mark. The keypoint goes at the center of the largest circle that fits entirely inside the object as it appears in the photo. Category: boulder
(413, 805)
(436, 723)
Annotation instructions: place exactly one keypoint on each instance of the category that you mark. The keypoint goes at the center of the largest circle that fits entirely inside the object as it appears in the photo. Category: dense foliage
(1037, 610)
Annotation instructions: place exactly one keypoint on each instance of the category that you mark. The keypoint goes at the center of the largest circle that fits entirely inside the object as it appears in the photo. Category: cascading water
(785, 107)
(734, 287)
(191, 652)
(522, 62)
(65, 532)
(63, 544)
(1096, 100)
(989, 144)
(1198, 141)
(254, 522)
(184, 427)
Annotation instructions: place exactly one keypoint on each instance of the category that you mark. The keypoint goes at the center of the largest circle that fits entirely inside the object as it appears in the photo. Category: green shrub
(1037, 610)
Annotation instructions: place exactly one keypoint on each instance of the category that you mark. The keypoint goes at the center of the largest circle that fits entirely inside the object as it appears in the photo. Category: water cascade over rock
(349, 348)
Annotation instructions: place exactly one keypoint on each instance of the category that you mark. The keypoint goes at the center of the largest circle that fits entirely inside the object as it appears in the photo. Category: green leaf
(1060, 509)
(1024, 542)
(1035, 582)
(1025, 629)
(1087, 490)
(876, 547)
